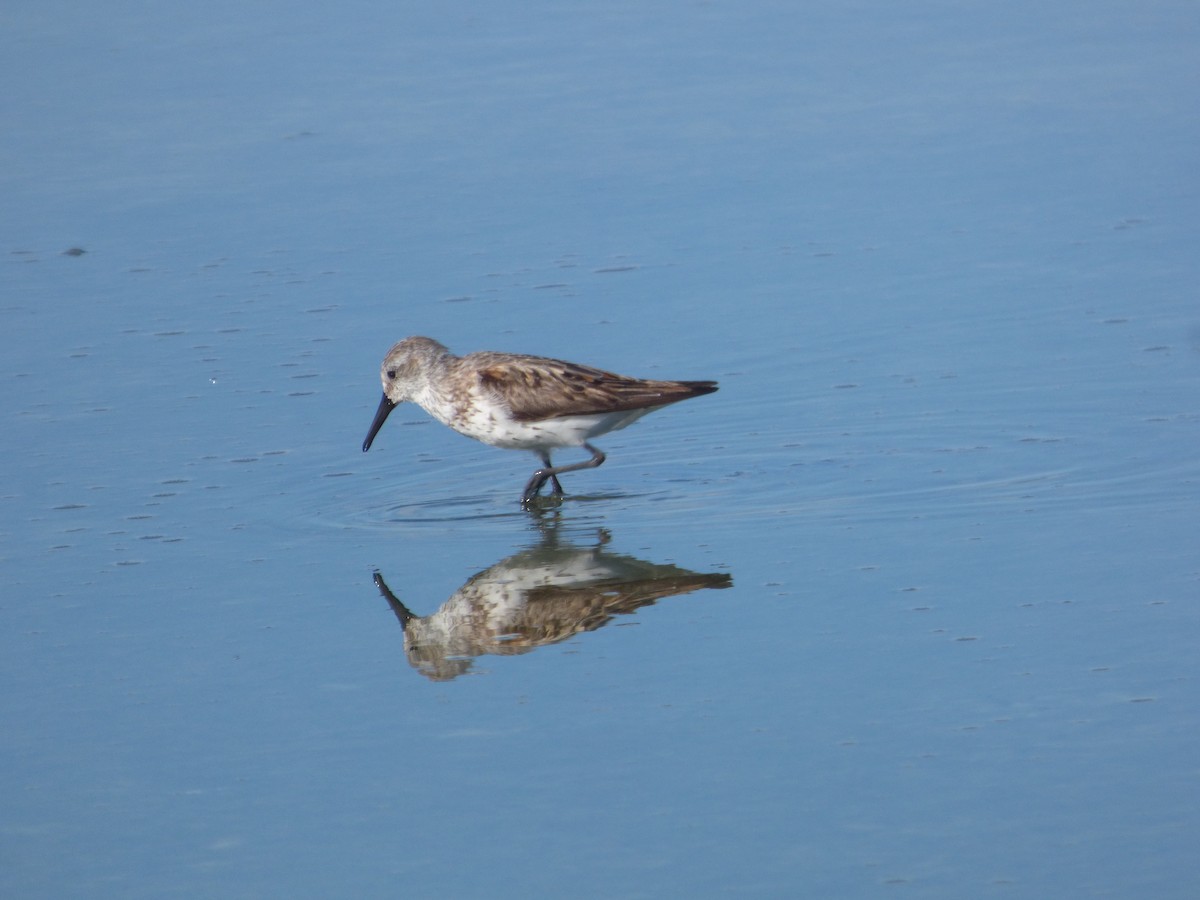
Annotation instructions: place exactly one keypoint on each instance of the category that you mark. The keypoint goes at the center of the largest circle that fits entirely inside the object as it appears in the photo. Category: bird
(520, 402)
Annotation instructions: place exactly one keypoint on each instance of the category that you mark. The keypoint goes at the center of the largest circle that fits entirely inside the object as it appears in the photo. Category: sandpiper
(521, 402)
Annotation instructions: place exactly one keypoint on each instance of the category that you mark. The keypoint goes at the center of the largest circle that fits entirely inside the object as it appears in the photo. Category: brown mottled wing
(557, 612)
(536, 388)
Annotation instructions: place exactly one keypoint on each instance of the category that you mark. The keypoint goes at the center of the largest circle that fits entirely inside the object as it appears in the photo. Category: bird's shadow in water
(540, 596)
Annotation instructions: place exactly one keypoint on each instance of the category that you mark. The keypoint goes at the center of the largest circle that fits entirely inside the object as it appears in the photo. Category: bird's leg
(539, 479)
(550, 473)
(555, 487)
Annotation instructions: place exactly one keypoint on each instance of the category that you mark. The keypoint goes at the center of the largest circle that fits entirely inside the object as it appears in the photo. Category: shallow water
(908, 604)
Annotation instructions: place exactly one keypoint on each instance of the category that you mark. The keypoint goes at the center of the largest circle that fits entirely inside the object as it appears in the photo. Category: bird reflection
(540, 596)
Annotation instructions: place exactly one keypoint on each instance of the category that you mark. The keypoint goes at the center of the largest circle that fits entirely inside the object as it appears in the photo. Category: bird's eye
(391, 374)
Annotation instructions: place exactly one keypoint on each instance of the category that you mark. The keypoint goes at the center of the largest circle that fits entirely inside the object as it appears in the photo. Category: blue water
(908, 606)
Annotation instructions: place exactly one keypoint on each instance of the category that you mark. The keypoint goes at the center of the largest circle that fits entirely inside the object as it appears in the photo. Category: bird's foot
(536, 483)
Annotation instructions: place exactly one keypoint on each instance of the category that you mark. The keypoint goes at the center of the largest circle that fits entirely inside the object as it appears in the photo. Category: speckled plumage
(520, 402)
(535, 598)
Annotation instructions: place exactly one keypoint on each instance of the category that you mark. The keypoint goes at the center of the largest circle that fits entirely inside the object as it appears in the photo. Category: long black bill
(385, 407)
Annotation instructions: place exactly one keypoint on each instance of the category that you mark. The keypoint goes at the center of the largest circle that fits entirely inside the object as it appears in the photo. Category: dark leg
(555, 487)
(550, 473)
(539, 478)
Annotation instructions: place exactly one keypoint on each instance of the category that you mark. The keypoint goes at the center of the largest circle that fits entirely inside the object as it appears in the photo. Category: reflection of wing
(535, 388)
(532, 599)
(553, 613)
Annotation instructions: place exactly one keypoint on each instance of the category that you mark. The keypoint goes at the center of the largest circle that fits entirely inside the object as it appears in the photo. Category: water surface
(909, 605)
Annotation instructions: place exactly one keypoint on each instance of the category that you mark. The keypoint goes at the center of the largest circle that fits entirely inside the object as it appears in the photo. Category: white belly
(546, 434)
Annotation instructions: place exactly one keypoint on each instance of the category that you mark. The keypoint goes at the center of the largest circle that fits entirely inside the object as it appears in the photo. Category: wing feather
(534, 388)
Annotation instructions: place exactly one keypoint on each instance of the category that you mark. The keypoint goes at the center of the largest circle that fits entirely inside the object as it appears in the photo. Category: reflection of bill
(540, 596)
